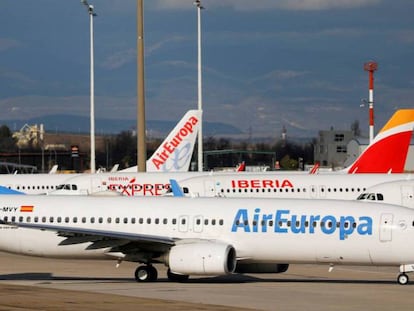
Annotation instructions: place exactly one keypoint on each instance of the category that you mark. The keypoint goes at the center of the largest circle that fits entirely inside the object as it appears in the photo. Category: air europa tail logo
(170, 146)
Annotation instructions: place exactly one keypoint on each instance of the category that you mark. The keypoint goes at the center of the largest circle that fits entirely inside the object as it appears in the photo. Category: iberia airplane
(173, 155)
(209, 236)
(396, 134)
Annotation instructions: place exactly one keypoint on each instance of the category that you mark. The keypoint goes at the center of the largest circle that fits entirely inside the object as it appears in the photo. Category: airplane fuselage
(260, 230)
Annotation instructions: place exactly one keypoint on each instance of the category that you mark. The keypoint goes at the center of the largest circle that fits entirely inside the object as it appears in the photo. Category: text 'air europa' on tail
(387, 153)
(174, 154)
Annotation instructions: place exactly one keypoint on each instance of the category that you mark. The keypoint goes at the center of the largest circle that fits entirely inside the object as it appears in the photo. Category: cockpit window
(371, 196)
(362, 196)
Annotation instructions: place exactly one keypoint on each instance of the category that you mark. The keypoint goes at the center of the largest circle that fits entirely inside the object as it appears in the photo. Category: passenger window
(109, 220)
(83, 220)
(100, 220)
(380, 197)
(92, 220)
(125, 220)
(75, 220)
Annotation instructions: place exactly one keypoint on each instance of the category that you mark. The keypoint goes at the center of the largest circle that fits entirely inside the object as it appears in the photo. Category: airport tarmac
(32, 283)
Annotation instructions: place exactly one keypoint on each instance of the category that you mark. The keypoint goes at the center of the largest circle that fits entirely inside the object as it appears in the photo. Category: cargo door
(407, 196)
(386, 227)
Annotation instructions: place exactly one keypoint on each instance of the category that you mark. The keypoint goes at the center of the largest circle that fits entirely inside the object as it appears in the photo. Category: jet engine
(202, 258)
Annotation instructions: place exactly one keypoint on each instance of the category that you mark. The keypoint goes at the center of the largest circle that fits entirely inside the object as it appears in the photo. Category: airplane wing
(75, 235)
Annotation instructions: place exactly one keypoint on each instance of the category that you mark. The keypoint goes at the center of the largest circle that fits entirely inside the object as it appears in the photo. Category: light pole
(141, 138)
(91, 15)
(197, 3)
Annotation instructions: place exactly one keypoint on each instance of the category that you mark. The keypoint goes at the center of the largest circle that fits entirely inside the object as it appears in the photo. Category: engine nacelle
(261, 268)
(202, 258)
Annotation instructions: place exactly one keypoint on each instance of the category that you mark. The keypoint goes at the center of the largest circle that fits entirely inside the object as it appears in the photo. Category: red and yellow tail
(388, 151)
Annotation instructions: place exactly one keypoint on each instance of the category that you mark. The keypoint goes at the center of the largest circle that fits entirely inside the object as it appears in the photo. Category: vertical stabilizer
(175, 152)
(388, 151)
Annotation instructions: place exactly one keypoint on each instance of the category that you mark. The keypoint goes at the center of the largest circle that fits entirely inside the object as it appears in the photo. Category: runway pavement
(31, 283)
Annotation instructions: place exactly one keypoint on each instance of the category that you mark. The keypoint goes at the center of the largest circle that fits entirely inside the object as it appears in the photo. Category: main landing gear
(403, 278)
(148, 273)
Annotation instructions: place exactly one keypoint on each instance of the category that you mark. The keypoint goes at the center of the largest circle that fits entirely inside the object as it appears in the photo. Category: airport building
(331, 148)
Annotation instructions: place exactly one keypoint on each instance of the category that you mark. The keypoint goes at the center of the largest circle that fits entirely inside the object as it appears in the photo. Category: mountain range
(80, 124)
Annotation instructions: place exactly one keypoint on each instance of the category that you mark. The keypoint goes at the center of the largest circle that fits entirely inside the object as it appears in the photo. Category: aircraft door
(386, 227)
(96, 185)
(198, 223)
(322, 192)
(183, 223)
(407, 196)
(209, 188)
(313, 192)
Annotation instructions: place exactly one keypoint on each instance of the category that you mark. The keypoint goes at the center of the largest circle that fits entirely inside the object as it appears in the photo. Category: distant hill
(80, 124)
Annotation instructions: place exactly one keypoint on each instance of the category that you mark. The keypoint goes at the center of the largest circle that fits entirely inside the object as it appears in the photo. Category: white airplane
(173, 155)
(400, 192)
(289, 186)
(397, 133)
(209, 236)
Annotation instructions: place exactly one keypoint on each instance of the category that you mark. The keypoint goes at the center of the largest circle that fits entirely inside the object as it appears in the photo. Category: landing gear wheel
(146, 274)
(402, 279)
(174, 277)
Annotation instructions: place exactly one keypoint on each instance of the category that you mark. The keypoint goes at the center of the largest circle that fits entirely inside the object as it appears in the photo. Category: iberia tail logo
(387, 153)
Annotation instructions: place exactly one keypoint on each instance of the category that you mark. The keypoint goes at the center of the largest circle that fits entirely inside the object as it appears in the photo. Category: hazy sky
(266, 63)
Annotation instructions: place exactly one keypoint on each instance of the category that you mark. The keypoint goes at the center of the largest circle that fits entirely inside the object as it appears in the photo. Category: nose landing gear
(403, 278)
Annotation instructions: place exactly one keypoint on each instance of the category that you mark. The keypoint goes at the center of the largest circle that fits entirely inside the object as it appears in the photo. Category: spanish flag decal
(26, 208)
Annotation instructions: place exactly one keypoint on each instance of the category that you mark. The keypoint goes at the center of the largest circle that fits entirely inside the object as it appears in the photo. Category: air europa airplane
(173, 155)
(209, 236)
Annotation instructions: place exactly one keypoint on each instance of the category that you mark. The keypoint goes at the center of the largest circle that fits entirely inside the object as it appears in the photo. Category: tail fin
(388, 151)
(174, 153)
(315, 168)
(241, 167)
